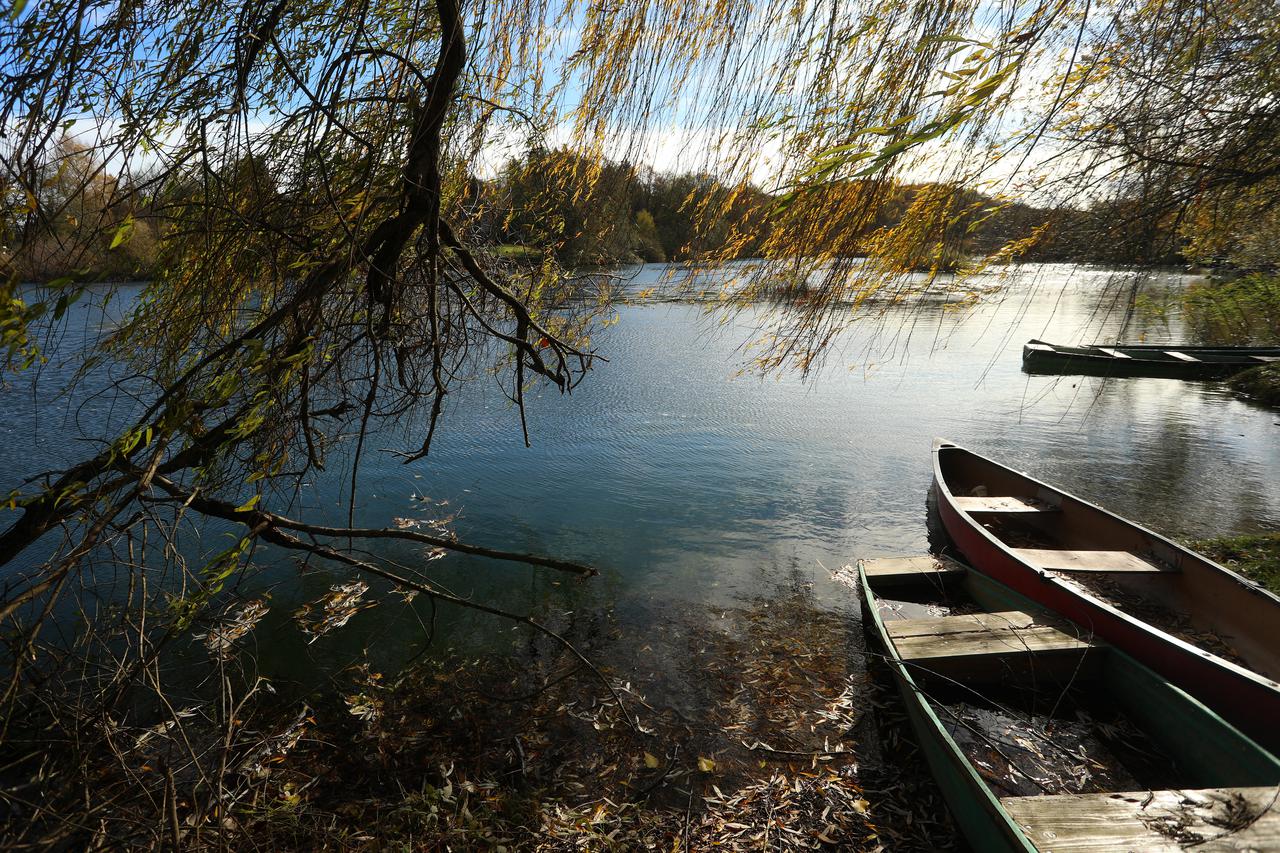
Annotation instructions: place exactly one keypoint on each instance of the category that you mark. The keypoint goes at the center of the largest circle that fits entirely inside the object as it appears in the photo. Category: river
(694, 488)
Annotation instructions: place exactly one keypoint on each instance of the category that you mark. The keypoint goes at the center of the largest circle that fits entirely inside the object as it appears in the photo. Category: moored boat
(1155, 360)
(1208, 630)
(1043, 738)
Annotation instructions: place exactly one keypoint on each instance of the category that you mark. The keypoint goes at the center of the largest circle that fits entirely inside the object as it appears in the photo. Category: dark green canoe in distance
(1043, 738)
(1160, 361)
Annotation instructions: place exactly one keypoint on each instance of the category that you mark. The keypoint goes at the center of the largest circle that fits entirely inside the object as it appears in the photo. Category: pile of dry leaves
(758, 728)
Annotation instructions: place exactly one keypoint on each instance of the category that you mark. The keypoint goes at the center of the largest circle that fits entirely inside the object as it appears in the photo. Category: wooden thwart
(1237, 818)
(1181, 356)
(1086, 561)
(890, 570)
(1004, 503)
(988, 644)
(1114, 353)
(965, 624)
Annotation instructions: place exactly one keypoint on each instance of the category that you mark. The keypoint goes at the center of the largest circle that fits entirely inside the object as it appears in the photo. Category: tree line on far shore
(557, 204)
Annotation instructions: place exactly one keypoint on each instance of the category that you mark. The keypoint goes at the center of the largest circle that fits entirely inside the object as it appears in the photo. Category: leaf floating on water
(335, 609)
(848, 576)
(222, 638)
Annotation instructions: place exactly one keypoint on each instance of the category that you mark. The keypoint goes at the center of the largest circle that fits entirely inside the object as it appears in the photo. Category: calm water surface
(694, 488)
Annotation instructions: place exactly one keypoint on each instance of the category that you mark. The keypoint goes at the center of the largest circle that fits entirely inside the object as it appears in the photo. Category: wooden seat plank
(1103, 823)
(890, 570)
(1000, 643)
(1266, 358)
(987, 646)
(941, 626)
(1003, 503)
(1114, 353)
(1061, 560)
(1181, 356)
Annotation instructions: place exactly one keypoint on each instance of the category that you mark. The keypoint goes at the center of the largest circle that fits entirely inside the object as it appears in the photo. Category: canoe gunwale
(1062, 349)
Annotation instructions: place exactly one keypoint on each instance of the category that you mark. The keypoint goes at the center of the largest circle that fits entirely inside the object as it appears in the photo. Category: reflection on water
(692, 488)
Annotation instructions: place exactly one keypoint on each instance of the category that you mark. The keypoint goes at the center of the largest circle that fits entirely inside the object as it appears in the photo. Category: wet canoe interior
(1153, 580)
(1061, 727)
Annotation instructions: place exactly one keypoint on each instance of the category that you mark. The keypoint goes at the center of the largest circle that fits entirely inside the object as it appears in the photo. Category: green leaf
(65, 301)
(16, 9)
(249, 504)
(123, 232)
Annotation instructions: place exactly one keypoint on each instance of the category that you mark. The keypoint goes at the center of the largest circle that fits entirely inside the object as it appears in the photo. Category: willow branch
(254, 518)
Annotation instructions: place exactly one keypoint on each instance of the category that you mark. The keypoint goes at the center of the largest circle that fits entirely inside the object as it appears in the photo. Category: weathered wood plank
(889, 570)
(988, 642)
(1006, 503)
(1181, 356)
(1114, 353)
(992, 647)
(942, 626)
(1059, 560)
(1210, 819)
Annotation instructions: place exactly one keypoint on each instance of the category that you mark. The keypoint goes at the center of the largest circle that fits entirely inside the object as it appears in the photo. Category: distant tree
(76, 217)
(647, 244)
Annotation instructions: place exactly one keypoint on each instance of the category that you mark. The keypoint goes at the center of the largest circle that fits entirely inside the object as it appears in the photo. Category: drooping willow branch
(264, 522)
(403, 290)
(281, 531)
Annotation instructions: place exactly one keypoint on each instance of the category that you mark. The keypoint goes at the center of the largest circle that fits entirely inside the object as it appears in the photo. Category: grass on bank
(1260, 384)
(1256, 557)
(1245, 310)
(1242, 310)
(518, 253)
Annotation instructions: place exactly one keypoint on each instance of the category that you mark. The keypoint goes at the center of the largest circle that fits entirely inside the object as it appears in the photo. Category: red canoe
(1208, 630)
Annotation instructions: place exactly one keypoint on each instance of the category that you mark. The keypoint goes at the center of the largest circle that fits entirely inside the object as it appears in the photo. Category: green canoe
(1171, 361)
(1045, 739)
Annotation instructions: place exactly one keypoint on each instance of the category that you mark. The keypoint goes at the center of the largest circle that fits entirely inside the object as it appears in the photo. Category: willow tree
(309, 170)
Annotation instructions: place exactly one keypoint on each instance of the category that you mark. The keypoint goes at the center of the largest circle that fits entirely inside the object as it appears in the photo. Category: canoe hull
(1144, 361)
(984, 823)
(1246, 699)
(1207, 751)
(1061, 364)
